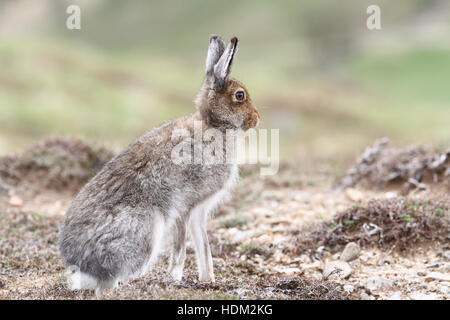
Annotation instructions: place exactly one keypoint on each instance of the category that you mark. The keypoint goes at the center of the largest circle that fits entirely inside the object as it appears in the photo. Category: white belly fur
(207, 206)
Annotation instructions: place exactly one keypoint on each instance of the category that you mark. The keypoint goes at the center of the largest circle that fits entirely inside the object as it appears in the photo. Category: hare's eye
(239, 95)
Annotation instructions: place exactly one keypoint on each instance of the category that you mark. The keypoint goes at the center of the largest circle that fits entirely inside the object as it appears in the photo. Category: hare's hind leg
(158, 229)
(199, 236)
(103, 285)
(178, 254)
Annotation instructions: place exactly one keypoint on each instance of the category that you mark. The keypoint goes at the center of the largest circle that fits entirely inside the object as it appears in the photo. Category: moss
(253, 248)
(234, 221)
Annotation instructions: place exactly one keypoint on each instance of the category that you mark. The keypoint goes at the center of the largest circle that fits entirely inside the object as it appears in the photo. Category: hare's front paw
(207, 278)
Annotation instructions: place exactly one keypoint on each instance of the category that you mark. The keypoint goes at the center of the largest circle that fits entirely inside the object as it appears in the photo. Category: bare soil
(273, 240)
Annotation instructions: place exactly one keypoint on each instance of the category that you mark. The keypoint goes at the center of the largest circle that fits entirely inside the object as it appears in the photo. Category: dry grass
(31, 268)
(399, 223)
(54, 163)
(414, 167)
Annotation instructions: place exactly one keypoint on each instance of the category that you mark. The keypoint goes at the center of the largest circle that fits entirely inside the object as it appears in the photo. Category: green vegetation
(253, 248)
(234, 221)
(70, 90)
(37, 215)
(407, 217)
(410, 95)
(349, 222)
(133, 66)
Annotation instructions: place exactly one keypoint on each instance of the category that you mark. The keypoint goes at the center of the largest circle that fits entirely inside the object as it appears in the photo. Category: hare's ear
(223, 67)
(215, 51)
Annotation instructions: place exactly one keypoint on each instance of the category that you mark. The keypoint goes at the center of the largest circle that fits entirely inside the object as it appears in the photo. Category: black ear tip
(234, 40)
(213, 37)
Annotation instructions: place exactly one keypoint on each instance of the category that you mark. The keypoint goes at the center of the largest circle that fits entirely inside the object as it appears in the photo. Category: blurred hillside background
(316, 72)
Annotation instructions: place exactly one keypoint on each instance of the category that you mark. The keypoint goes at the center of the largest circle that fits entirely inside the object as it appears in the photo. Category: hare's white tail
(78, 280)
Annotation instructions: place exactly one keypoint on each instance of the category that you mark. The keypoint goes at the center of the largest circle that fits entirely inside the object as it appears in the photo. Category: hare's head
(224, 102)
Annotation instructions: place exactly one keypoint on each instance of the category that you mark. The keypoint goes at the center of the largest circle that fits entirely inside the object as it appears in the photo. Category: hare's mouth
(251, 123)
(258, 120)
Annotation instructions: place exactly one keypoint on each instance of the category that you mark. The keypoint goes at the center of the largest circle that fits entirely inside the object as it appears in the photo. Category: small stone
(340, 268)
(433, 264)
(408, 264)
(287, 270)
(433, 286)
(265, 238)
(303, 197)
(421, 273)
(241, 292)
(437, 276)
(423, 296)
(4, 186)
(382, 260)
(237, 235)
(365, 296)
(349, 288)
(444, 289)
(263, 212)
(351, 252)
(422, 286)
(376, 283)
(316, 265)
(355, 263)
(446, 255)
(390, 195)
(218, 261)
(303, 259)
(397, 295)
(278, 256)
(319, 250)
(354, 195)
(261, 269)
(15, 201)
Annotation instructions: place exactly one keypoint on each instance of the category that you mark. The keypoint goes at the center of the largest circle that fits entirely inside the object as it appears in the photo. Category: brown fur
(219, 110)
(113, 229)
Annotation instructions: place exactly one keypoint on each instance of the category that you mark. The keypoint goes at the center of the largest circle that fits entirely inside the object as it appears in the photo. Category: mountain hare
(117, 224)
